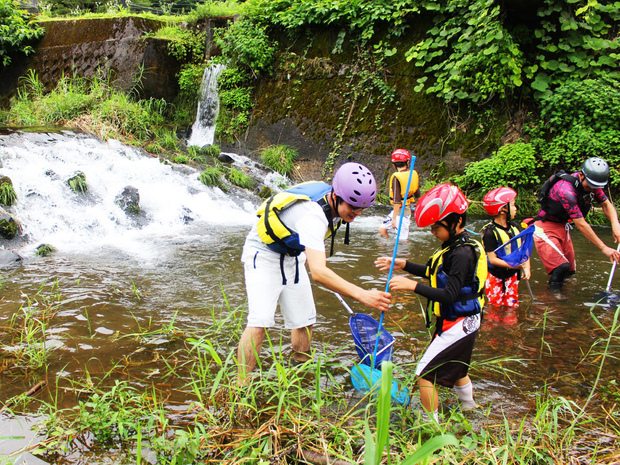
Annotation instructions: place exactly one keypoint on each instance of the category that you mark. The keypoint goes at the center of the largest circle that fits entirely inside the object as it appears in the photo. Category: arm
(587, 231)
(612, 216)
(396, 215)
(317, 262)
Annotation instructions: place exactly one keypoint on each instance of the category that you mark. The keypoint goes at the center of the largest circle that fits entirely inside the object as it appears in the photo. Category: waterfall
(174, 205)
(203, 130)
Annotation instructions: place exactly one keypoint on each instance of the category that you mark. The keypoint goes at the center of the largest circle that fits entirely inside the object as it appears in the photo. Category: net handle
(400, 223)
(346, 305)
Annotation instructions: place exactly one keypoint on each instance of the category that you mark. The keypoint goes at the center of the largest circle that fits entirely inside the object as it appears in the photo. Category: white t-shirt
(306, 218)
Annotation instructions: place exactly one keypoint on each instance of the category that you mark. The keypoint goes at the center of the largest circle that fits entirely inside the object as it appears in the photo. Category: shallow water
(130, 277)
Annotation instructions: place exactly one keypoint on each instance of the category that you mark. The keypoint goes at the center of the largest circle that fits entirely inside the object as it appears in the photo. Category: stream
(112, 274)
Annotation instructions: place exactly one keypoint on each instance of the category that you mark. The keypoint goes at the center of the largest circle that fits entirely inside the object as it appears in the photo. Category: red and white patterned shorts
(500, 292)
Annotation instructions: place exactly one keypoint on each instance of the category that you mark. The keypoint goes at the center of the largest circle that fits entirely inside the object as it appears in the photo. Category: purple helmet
(355, 184)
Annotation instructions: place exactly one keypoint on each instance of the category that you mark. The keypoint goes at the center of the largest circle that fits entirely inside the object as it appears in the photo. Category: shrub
(279, 158)
(17, 32)
(581, 119)
(512, 165)
(248, 46)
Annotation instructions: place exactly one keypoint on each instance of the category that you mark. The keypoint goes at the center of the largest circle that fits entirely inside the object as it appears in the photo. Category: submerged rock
(129, 200)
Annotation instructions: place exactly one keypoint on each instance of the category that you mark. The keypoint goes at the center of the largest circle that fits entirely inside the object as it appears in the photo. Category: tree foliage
(17, 31)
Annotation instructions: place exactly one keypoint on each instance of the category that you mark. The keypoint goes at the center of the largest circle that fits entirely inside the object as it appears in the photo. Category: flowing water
(115, 273)
(203, 129)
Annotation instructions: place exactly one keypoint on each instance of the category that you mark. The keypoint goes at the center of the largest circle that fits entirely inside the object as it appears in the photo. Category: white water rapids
(175, 205)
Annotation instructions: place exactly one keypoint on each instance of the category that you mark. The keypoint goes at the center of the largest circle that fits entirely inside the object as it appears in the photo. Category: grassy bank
(179, 403)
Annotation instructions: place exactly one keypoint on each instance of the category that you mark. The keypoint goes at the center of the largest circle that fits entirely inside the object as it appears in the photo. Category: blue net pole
(387, 285)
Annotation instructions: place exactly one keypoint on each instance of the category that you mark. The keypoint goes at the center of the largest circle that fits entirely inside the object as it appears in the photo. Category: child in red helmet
(401, 159)
(456, 272)
(502, 286)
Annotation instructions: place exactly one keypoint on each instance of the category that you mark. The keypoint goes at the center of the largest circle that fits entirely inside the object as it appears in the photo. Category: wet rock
(129, 200)
(9, 257)
(9, 226)
(225, 158)
(187, 215)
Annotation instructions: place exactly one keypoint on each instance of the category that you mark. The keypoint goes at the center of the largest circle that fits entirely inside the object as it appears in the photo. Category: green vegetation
(239, 178)
(578, 120)
(279, 158)
(44, 250)
(512, 165)
(211, 177)
(17, 31)
(7, 192)
(131, 406)
(78, 183)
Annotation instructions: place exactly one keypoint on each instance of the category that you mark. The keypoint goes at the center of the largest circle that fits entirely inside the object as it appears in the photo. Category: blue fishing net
(364, 330)
(518, 249)
(368, 380)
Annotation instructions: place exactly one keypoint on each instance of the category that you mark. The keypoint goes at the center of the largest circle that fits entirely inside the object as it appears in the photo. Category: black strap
(282, 256)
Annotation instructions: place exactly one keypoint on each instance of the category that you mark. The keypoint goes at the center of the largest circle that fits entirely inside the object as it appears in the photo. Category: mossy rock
(9, 226)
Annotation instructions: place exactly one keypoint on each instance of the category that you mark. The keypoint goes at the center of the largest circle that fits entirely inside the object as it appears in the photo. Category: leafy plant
(17, 31)
(247, 46)
(575, 40)
(185, 45)
(44, 250)
(512, 165)
(77, 183)
(469, 54)
(580, 119)
(215, 9)
(279, 158)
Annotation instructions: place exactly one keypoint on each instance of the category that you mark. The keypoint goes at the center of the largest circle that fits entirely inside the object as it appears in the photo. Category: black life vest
(554, 208)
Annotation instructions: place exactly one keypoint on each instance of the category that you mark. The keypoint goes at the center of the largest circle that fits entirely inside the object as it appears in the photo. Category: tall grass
(296, 413)
(91, 104)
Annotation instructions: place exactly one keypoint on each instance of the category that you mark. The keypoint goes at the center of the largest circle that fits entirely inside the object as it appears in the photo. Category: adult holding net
(290, 232)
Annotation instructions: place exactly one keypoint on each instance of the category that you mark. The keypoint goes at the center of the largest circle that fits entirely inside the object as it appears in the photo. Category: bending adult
(290, 232)
(569, 199)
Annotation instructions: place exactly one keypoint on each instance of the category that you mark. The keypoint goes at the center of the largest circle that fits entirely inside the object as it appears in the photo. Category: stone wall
(116, 47)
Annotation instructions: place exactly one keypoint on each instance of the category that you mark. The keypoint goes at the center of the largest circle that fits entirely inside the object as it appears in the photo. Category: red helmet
(400, 155)
(495, 200)
(438, 203)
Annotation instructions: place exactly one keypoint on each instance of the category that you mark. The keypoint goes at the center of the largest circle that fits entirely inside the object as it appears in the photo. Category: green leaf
(429, 447)
(541, 83)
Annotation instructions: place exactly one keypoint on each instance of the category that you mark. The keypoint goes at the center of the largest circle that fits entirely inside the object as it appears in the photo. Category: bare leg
(248, 351)
(383, 232)
(428, 395)
(300, 339)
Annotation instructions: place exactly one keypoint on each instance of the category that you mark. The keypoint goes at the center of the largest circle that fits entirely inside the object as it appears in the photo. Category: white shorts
(404, 230)
(263, 284)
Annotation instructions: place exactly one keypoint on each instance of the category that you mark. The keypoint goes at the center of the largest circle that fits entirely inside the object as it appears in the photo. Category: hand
(377, 299)
(383, 263)
(526, 274)
(613, 254)
(400, 283)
